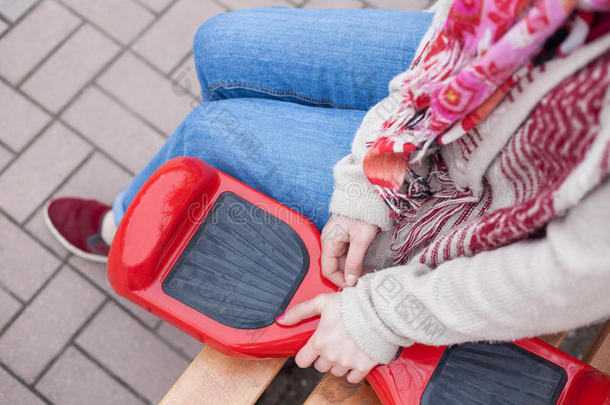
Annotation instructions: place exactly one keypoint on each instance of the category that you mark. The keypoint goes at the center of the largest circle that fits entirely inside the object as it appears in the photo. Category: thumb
(299, 312)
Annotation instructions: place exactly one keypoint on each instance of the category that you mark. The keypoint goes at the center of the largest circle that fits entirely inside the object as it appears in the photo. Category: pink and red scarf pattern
(549, 147)
(463, 73)
(484, 49)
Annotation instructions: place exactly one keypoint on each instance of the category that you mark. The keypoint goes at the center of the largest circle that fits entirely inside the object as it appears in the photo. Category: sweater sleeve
(354, 196)
(521, 290)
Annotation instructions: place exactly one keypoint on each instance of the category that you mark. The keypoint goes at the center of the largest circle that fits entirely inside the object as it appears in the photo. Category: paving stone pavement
(89, 90)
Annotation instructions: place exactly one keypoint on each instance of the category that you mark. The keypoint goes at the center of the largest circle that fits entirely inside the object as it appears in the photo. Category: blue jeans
(284, 91)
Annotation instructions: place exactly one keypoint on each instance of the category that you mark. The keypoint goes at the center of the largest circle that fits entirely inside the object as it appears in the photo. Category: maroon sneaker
(77, 224)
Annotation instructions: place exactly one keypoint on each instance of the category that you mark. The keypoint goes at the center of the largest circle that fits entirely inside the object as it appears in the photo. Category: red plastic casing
(156, 228)
(404, 380)
(160, 222)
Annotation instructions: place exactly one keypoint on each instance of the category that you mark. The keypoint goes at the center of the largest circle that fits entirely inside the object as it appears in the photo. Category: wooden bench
(216, 379)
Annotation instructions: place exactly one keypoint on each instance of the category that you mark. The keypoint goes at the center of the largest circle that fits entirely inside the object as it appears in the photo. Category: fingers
(336, 278)
(313, 353)
(322, 365)
(355, 257)
(344, 245)
(306, 356)
(355, 376)
(304, 310)
(334, 245)
(338, 371)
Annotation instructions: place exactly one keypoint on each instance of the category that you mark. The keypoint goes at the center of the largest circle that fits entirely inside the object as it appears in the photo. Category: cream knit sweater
(521, 290)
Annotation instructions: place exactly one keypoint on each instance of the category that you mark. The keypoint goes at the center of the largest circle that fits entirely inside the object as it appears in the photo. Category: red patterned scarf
(482, 52)
(555, 158)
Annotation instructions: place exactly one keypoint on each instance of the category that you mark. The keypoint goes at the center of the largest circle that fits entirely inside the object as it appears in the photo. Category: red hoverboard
(221, 261)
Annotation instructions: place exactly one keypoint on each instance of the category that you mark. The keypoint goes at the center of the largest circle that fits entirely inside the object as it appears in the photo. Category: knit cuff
(360, 200)
(361, 329)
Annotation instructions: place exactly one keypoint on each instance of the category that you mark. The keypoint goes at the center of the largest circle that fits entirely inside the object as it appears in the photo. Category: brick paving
(89, 90)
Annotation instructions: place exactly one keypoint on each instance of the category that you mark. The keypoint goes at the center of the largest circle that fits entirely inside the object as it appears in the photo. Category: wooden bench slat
(598, 353)
(334, 390)
(554, 339)
(216, 379)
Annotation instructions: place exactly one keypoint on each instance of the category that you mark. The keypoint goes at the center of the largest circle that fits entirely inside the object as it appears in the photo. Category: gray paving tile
(96, 272)
(13, 392)
(156, 5)
(146, 92)
(8, 307)
(132, 352)
(76, 380)
(121, 19)
(185, 78)
(187, 344)
(30, 179)
(25, 264)
(47, 324)
(170, 39)
(37, 227)
(41, 30)
(5, 157)
(20, 119)
(68, 69)
(113, 129)
(99, 179)
(3, 27)
(13, 9)
(241, 4)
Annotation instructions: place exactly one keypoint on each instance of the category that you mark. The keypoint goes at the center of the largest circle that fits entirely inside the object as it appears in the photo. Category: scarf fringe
(416, 228)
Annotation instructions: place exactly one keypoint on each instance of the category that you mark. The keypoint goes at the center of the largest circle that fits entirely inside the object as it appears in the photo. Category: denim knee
(226, 38)
(203, 48)
(215, 42)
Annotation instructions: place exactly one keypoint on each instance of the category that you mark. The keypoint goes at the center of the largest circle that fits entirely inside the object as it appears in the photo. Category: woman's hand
(344, 244)
(330, 348)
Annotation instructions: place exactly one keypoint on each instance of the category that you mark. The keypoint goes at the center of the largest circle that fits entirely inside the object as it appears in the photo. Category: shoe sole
(70, 247)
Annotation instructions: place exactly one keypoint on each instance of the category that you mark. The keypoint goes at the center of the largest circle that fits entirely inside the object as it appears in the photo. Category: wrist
(363, 203)
(362, 329)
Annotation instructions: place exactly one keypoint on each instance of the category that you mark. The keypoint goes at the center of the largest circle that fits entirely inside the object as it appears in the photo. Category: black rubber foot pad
(242, 266)
(498, 374)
